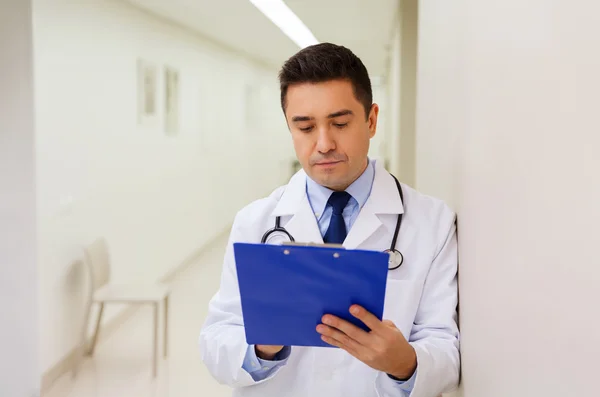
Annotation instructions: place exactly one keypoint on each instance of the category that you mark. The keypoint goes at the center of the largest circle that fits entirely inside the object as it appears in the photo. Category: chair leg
(166, 325)
(155, 348)
(81, 349)
(97, 330)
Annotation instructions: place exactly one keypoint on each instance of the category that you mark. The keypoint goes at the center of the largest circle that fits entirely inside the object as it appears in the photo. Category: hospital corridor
(160, 155)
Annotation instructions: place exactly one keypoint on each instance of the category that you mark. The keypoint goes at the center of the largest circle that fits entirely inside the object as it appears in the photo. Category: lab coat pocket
(401, 302)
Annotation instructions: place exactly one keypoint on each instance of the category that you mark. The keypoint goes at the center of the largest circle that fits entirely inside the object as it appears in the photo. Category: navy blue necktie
(336, 233)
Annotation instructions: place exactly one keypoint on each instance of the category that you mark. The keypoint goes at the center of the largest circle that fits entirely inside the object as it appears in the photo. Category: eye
(306, 129)
(340, 125)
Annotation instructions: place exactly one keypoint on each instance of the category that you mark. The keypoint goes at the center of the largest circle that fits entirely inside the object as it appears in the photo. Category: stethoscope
(396, 257)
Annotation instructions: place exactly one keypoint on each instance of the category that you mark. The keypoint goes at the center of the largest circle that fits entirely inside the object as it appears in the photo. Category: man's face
(330, 131)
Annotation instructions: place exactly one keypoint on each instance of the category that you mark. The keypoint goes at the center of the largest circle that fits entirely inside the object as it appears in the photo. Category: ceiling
(357, 24)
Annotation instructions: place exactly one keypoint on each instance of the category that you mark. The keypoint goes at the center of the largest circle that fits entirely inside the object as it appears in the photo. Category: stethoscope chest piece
(396, 259)
(277, 237)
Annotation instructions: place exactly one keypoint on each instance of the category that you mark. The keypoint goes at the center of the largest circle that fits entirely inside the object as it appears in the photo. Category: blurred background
(131, 132)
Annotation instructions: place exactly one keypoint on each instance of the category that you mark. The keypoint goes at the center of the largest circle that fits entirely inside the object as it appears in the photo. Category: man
(341, 196)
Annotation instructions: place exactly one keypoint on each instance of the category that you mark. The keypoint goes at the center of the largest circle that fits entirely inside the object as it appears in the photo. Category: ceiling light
(285, 19)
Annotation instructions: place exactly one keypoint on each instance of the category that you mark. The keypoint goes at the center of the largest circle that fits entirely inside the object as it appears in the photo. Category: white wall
(156, 198)
(19, 370)
(508, 133)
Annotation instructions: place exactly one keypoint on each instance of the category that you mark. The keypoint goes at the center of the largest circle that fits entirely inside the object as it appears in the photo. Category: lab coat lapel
(365, 225)
(294, 205)
(303, 225)
(384, 199)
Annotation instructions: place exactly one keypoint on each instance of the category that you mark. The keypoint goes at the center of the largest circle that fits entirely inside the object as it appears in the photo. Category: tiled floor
(121, 366)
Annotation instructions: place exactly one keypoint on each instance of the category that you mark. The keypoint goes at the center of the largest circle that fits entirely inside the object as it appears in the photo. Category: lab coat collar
(384, 199)
(303, 225)
(293, 195)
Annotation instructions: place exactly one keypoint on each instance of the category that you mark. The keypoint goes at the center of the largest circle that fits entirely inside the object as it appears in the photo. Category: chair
(103, 292)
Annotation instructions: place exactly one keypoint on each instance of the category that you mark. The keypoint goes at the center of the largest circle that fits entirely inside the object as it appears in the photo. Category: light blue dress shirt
(360, 191)
(318, 196)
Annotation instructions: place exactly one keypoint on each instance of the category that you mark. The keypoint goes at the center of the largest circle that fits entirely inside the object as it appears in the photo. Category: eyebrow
(344, 112)
(340, 113)
(297, 119)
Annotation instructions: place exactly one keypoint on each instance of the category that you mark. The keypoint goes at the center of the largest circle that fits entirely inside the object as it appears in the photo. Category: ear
(372, 120)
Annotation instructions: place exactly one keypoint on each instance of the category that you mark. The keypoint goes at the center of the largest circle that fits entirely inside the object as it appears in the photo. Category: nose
(325, 141)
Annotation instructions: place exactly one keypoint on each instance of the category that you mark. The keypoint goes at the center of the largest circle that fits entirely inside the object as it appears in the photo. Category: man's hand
(266, 352)
(384, 348)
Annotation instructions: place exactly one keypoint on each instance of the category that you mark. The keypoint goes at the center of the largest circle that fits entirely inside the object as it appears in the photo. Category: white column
(402, 84)
(408, 91)
(393, 108)
(19, 373)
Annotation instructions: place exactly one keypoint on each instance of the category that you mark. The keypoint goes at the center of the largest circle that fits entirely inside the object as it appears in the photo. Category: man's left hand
(384, 348)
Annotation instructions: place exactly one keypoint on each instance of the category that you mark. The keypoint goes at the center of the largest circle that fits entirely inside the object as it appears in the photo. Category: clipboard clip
(317, 245)
(322, 245)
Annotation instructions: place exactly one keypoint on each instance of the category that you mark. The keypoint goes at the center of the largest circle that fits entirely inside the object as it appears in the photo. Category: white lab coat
(421, 296)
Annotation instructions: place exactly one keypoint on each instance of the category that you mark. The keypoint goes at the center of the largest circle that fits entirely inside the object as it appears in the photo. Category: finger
(342, 340)
(336, 343)
(392, 327)
(369, 319)
(347, 328)
(389, 324)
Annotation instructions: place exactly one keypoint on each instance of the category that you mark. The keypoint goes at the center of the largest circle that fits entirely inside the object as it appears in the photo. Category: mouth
(327, 163)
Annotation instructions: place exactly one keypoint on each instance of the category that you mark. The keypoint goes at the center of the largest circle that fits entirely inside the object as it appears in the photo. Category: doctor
(341, 196)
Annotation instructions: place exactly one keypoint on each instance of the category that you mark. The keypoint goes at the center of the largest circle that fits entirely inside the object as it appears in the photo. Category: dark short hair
(325, 62)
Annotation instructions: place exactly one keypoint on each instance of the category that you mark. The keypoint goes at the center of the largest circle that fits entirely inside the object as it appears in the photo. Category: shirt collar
(360, 190)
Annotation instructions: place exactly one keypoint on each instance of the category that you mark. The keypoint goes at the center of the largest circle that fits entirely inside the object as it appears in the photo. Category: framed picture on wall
(147, 77)
(171, 101)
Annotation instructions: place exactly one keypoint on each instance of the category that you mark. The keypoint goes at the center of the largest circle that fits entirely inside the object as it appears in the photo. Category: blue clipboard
(286, 290)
